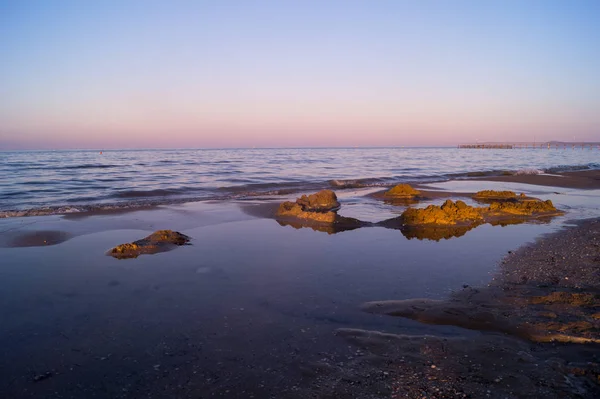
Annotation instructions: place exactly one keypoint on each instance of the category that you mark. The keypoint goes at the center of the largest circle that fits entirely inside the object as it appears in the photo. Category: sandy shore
(540, 338)
(585, 179)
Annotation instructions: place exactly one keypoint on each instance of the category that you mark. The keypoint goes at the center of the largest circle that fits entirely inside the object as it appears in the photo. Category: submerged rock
(159, 241)
(402, 190)
(317, 207)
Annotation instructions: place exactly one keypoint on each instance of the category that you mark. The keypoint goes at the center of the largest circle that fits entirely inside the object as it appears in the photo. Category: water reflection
(340, 225)
(431, 233)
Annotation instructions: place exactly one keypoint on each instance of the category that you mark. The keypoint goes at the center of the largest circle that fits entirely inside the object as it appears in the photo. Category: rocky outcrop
(402, 191)
(496, 195)
(456, 213)
(449, 213)
(159, 241)
(319, 207)
(521, 208)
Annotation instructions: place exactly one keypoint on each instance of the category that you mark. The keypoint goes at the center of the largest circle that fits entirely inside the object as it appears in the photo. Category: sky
(212, 74)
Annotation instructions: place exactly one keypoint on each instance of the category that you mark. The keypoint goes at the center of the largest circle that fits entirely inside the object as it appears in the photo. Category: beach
(293, 200)
(256, 308)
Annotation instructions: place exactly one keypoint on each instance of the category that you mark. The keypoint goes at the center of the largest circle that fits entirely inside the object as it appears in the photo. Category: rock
(402, 190)
(294, 210)
(323, 201)
(42, 377)
(452, 213)
(521, 207)
(289, 208)
(159, 241)
(317, 207)
(493, 194)
(447, 214)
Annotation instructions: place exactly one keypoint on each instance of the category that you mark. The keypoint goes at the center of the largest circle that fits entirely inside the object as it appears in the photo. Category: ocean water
(47, 182)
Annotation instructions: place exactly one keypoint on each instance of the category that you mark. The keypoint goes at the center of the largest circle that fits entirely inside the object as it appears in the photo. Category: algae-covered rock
(458, 212)
(323, 201)
(159, 241)
(289, 208)
(521, 208)
(493, 194)
(447, 214)
(317, 207)
(292, 209)
(402, 190)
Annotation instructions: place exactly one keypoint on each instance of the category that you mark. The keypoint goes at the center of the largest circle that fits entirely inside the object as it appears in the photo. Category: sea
(71, 181)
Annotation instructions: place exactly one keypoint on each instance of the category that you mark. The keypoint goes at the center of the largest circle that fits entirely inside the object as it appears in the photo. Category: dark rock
(42, 377)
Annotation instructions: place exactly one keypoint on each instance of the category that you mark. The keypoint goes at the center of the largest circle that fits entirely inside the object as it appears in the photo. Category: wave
(573, 168)
(152, 193)
(528, 171)
(91, 196)
(359, 183)
(67, 210)
(71, 167)
(90, 166)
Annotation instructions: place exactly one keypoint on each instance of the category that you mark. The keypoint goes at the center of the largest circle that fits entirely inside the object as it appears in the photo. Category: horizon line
(227, 148)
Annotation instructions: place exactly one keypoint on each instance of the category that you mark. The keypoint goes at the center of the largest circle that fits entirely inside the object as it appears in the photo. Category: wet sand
(585, 179)
(257, 309)
(540, 325)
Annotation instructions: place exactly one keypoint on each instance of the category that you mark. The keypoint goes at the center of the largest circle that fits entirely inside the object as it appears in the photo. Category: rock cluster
(452, 213)
(159, 241)
(402, 191)
(319, 207)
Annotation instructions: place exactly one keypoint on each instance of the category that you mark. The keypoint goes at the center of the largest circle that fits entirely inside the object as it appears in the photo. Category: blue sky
(112, 74)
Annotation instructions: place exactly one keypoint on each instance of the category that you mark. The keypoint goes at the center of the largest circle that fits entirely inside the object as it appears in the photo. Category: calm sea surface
(45, 182)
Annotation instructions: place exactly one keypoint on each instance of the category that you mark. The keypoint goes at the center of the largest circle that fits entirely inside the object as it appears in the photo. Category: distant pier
(554, 145)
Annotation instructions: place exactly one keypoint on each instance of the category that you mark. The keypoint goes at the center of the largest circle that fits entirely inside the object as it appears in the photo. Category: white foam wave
(529, 171)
